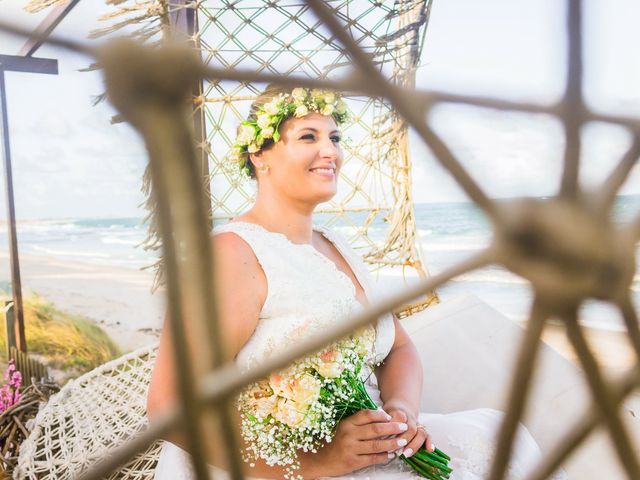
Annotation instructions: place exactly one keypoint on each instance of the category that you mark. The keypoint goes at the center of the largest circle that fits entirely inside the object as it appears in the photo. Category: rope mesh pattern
(78, 425)
(286, 38)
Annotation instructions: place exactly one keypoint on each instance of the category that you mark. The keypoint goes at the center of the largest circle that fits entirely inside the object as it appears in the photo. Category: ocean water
(448, 232)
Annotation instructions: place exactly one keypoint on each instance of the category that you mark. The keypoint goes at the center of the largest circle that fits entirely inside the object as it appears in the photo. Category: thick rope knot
(139, 78)
(565, 250)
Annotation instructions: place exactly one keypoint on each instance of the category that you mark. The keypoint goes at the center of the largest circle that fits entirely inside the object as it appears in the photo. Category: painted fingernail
(408, 452)
(391, 455)
(403, 427)
(433, 447)
(402, 442)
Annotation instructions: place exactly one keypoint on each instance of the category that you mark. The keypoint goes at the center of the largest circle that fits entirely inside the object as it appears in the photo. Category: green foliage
(65, 341)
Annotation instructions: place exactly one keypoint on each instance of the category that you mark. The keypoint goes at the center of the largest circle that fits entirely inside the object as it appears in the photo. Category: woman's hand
(361, 440)
(414, 437)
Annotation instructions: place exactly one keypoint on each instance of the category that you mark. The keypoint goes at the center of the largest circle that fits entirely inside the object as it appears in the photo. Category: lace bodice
(306, 292)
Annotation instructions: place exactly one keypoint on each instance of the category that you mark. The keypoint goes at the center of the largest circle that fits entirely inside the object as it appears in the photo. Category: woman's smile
(327, 173)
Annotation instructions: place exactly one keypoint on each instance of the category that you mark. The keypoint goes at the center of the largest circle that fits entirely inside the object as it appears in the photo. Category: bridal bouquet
(298, 408)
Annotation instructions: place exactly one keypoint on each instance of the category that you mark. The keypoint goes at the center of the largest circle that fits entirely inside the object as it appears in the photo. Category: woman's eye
(336, 139)
(308, 136)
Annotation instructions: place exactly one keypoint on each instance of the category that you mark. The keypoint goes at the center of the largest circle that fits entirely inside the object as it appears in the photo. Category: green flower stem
(440, 466)
(424, 470)
(433, 459)
(440, 453)
(421, 468)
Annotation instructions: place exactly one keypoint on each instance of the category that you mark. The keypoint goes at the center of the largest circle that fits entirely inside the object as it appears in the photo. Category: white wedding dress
(308, 293)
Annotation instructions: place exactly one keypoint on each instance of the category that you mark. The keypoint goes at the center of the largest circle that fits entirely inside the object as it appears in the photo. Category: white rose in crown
(341, 107)
(253, 148)
(267, 132)
(327, 110)
(246, 134)
(264, 120)
(301, 111)
(329, 97)
(299, 94)
(271, 108)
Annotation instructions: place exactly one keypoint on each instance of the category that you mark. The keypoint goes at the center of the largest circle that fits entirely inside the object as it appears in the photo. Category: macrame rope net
(374, 207)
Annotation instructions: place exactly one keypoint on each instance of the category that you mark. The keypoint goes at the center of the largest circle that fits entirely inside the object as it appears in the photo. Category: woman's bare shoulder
(233, 256)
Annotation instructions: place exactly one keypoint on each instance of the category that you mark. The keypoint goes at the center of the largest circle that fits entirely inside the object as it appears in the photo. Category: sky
(69, 161)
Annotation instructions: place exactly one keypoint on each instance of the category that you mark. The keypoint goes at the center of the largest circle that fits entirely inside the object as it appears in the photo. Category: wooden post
(16, 64)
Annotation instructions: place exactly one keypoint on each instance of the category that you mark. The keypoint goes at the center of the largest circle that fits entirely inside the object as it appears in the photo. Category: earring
(263, 168)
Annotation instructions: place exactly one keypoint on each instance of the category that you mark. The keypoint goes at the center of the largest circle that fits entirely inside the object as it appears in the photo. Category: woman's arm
(241, 290)
(400, 382)
(400, 375)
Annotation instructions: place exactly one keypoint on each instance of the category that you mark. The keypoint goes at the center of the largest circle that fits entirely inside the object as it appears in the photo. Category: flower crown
(301, 101)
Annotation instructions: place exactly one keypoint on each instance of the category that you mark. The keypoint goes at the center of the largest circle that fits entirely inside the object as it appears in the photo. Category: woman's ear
(257, 159)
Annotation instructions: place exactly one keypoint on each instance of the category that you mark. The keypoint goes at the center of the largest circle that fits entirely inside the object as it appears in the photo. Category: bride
(280, 277)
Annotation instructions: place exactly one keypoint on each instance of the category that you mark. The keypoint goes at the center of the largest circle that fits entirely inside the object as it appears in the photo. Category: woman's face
(305, 162)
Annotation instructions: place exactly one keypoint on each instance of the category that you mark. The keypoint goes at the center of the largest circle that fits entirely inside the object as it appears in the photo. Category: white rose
(329, 97)
(253, 148)
(264, 120)
(265, 406)
(305, 390)
(301, 111)
(330, 369)
(245, 135)
(299, 93)
(330, 363)
(271, 108)
(327, 110)
(267, 132)
(341, 107)
(288, 412)
(316, 92)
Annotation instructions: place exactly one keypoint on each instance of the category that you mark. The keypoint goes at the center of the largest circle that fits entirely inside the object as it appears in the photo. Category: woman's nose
(329, 148)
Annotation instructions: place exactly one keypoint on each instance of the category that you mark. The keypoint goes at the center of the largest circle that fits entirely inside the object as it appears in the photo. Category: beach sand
(612, 349)
(118, 299)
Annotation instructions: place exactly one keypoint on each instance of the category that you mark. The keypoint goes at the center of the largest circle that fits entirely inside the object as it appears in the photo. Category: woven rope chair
(106, 406)
(91, 414)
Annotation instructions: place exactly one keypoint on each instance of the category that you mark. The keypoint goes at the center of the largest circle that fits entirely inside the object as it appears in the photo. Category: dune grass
(62, 341)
